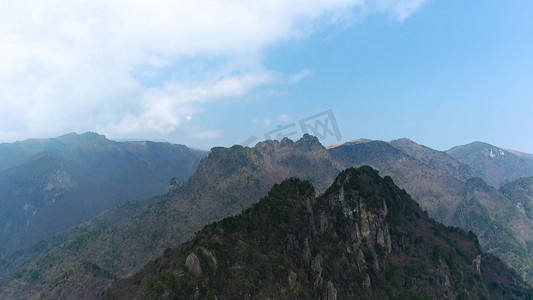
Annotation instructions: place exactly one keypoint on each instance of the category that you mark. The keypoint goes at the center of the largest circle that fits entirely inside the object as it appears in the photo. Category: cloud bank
(142, 67)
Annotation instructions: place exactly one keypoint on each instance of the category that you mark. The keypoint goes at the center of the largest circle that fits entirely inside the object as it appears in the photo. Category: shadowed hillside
(49, 186)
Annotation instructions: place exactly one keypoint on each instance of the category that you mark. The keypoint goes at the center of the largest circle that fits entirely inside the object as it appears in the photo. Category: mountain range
(364, 238)
(51, 185)
(119, 242)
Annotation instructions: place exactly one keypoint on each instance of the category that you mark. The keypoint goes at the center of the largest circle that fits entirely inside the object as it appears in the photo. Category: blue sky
(452, 73)
(441, 73)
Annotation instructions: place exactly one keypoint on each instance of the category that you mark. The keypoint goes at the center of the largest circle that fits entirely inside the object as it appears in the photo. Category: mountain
(438, 190)
(227, 181)
(495, 165)
(364, 238)
(48, 186)
(501, 228)
(447, 189)
(438, 160)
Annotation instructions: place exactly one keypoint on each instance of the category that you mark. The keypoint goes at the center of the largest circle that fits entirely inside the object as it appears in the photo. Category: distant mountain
(446, 189)
(501, 228)
(364, 238)
(435, 159)
(48, 186)
(495, 165)
(228, 180)
(436, 188)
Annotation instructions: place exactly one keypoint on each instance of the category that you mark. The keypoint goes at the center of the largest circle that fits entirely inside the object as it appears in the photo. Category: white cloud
(283, 118)
(398, 9)
(403, 9)
(208, 134)
(295, 78)
(137, 66)
(164, 108)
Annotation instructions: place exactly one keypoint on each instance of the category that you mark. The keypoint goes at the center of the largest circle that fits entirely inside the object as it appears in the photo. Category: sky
(217, 73)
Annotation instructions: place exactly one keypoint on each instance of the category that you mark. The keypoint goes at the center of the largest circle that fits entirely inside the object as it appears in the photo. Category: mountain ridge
(495, 165)
(231, 179)
(349, 242)
(50, 185)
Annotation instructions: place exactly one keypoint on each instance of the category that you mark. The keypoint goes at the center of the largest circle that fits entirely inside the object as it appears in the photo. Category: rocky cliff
(363, 238)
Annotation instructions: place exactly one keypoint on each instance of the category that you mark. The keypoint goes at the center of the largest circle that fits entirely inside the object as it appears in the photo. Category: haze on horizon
(204, 74)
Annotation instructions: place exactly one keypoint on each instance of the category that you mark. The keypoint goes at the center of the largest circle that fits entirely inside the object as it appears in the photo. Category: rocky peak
(355, 207)
(286, 142)
(364, 238)
(308, 142)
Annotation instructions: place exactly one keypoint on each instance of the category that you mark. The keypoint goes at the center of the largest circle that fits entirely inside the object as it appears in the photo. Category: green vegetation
(293, 244)
(230, 180)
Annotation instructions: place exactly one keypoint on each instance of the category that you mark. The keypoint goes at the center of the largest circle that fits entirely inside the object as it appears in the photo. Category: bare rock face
(306, 252)
(367, 283)
(211, 259)
(443, 274)
(316, 269)
(477, 263)
(331, 291)
(174, 185)
(193, 264)
(360, 260)
(361, 220)
(292, 278)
